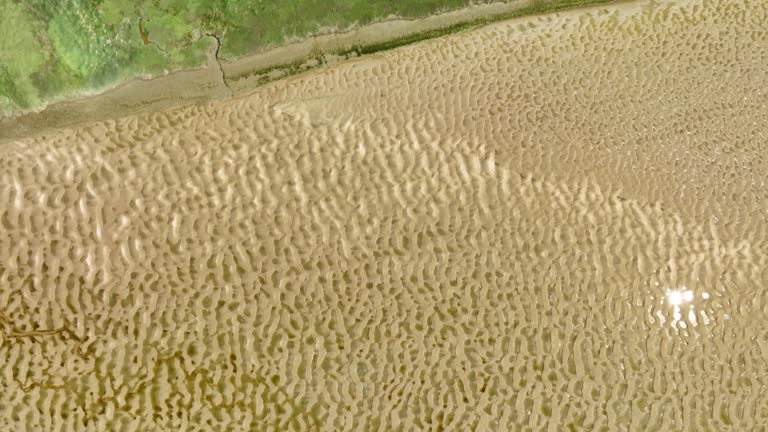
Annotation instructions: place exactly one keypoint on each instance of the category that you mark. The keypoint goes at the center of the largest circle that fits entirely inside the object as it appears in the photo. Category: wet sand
(552, 223)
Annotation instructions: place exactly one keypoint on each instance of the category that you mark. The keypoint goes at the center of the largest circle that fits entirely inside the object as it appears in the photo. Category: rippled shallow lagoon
(552, 223)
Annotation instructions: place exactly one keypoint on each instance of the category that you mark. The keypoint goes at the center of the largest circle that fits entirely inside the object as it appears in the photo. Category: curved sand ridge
(551, 223)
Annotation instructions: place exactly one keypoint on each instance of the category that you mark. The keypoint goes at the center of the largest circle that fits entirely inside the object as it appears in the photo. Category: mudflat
(555, 223)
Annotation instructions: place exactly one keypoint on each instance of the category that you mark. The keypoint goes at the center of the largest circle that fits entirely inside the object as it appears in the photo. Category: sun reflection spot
(679, 296)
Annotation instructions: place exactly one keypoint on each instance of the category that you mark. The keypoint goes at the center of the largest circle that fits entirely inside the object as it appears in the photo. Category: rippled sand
(552, 223)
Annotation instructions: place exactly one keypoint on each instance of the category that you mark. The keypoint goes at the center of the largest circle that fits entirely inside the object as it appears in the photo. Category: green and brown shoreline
(221, 78)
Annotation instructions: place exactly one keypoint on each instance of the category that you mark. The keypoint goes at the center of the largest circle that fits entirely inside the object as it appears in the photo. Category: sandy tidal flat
(552, 223)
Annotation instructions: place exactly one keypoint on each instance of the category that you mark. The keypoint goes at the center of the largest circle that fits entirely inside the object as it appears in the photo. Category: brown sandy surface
(551, 223)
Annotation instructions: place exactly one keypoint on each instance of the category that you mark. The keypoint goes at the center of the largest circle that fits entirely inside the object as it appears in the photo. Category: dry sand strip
(205, 84)
(551, 223)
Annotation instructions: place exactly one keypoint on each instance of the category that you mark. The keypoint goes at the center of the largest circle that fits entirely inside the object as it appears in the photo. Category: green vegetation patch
(21, 55)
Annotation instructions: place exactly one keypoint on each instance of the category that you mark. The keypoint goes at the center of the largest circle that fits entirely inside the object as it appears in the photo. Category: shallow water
(551, 223)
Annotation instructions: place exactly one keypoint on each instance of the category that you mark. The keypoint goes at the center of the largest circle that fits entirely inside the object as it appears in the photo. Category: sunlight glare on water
(679, 296)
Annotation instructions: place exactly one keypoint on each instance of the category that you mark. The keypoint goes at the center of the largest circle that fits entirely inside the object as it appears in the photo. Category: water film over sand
(553, 223)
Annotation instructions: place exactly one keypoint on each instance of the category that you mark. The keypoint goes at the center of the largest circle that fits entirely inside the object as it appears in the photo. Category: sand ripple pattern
(547, 224)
